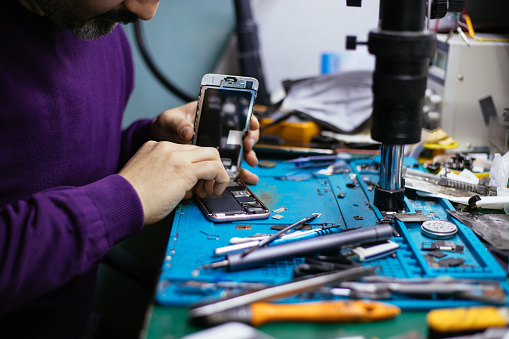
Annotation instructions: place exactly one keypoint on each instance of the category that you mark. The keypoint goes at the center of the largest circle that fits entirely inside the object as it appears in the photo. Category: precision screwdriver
(278, 234)
(324, 244)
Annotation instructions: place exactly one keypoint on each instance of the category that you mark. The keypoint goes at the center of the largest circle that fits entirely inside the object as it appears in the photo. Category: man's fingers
(180, 121)
(210, 170)
(248, 177)
(199, 154)
(209, 186)
(249, 141)
(251, 158)
(205, 161)
(204, 187)
(255, 124)
(175, 122)
(199, 189)
(189, 195)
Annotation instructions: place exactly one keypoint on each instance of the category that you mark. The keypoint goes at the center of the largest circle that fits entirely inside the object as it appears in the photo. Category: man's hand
(176, 125)
(163, 172)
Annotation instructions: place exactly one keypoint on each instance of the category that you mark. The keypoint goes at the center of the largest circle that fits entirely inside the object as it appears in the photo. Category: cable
(142, 46)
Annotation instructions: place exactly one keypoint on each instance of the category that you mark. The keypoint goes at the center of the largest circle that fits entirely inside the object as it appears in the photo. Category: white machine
(460, 76)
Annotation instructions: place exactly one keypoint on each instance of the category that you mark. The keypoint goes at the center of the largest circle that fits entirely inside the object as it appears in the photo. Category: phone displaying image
(223, 116)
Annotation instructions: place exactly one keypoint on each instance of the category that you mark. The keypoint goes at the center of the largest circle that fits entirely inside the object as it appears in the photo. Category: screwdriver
(278, 234)
(345, 311)
(280, 291)
(324, 244)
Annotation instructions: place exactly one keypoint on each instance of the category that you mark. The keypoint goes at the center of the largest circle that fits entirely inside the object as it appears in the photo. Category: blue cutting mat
(343, 199)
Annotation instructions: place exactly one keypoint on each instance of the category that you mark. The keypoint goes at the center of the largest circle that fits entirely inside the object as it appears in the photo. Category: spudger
(324, 244)
(278, 234)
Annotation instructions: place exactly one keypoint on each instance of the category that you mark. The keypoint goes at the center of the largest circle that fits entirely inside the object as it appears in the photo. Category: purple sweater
(62, 207)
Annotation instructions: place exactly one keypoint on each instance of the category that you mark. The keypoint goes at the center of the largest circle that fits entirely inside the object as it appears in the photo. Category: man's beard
(81, 24)
(92, 30)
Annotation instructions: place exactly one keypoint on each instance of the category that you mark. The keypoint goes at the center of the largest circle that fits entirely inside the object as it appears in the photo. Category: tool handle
(324, 244)
(327, 312)
(465, 319)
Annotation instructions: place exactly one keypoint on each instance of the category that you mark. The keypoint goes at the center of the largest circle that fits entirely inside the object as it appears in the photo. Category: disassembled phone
(223, 116)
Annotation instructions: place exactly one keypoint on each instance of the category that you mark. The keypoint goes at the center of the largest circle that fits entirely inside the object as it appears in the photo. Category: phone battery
(224, 203)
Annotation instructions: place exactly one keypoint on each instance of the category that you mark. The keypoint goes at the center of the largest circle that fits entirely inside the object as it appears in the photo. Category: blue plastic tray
(193, 238)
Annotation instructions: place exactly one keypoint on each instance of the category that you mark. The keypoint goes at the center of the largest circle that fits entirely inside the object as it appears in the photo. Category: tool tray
(302, 192)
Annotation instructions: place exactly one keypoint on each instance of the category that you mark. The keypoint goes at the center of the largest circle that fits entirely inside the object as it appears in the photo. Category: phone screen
(222, 119)
(225, 113)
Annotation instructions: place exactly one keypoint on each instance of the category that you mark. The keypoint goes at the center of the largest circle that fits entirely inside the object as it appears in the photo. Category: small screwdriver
(278, 234)
(345, 311)
(324, 244)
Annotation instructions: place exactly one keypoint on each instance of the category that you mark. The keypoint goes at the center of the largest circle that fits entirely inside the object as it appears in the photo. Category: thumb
(177, 121)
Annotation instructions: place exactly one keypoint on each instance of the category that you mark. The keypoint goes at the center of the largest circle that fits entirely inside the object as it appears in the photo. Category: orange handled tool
(323, 311)
(344, 311)
(467, 319)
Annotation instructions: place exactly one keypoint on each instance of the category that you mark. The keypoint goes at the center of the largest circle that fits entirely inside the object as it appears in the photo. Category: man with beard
(72, 182)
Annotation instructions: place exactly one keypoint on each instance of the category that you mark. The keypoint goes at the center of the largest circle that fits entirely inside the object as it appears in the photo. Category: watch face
(439, 229)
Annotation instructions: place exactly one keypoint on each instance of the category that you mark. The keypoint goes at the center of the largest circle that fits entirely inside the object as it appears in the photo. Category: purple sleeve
(133, 138)
(60, 233)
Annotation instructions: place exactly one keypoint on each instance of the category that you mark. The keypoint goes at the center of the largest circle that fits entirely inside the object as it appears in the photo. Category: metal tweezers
(379, 287)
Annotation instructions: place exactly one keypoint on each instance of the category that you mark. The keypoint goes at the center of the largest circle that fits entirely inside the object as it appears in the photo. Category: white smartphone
(223, 116)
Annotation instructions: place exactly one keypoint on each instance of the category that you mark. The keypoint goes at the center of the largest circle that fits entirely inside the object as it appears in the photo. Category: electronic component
(439, 229)
(373, 252)
(442, 245)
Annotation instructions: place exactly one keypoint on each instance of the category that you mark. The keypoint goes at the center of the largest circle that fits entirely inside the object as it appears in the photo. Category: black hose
(142, 46)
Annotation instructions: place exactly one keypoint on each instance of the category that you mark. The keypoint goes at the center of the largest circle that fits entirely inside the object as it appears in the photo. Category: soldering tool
(324, 244)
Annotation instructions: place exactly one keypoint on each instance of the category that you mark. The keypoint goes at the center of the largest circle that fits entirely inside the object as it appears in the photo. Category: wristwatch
(439, 229)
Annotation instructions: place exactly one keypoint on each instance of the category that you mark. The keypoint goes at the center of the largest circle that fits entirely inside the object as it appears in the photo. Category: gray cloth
(342, 101)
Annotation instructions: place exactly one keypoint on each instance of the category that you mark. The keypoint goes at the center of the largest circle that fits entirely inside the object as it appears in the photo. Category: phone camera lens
(249, 84)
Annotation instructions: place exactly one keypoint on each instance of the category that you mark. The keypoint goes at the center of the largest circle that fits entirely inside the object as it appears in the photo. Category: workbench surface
(344, 199)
